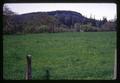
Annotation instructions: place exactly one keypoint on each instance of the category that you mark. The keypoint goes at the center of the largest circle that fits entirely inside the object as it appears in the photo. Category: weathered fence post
(28, 69)
(47, 74)
(115, 65)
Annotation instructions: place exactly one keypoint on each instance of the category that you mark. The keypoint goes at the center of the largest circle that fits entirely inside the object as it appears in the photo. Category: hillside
(54, 21)
(70, 18)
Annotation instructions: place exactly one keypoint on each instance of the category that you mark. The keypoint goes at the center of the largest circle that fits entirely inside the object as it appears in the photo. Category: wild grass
(67, 56)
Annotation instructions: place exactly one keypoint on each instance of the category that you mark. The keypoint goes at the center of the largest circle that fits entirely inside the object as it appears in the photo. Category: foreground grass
(71, 55)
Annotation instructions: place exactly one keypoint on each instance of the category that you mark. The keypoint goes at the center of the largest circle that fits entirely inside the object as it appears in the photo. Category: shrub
(109, 26)
(41, 29)
(88, 27)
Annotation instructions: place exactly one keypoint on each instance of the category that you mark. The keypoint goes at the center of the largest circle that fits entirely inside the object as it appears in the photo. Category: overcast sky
(97, 10)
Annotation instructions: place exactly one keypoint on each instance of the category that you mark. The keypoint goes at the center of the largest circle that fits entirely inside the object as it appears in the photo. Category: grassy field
(69, 56)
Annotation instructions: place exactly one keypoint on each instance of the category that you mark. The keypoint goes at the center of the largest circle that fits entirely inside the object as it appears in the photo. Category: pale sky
(99, 10)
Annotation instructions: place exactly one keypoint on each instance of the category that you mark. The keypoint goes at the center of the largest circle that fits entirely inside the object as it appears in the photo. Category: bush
(41, 29)
(77, 27)
(109, 26)
(88, 27)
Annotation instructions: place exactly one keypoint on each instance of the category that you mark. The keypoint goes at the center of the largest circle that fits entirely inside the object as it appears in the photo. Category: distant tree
(7, 11)
(104, 20)
(108, 26)
(90, 16)
(114, 19)
(77, 27)
(8, 21)
(88, 28)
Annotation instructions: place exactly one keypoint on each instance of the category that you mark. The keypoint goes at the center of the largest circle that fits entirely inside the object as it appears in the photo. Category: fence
(29, 68)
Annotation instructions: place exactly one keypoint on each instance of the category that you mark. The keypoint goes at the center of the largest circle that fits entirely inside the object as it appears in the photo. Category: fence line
(29, 69)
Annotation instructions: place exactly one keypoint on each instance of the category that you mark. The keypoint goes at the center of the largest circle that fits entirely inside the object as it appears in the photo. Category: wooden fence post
(47, 75)
(28, 68)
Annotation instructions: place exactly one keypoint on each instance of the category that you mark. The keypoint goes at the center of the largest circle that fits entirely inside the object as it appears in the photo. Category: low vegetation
(67, 55)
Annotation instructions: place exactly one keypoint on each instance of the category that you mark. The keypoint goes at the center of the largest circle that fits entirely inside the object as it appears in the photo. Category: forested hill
(70, 17)
(54, 21)
(67, 18)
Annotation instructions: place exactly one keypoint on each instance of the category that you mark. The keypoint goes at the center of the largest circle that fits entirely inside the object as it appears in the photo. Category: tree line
(43, 22)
